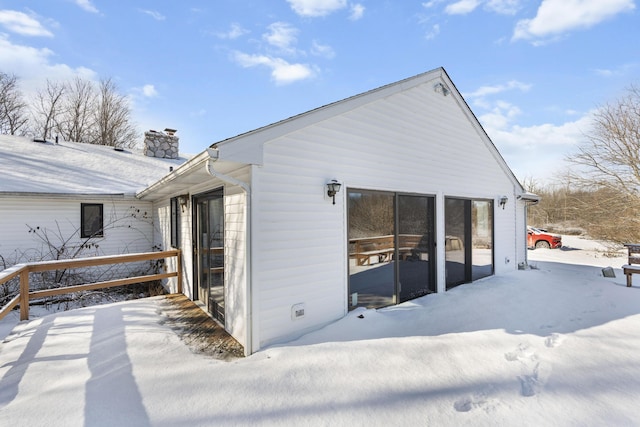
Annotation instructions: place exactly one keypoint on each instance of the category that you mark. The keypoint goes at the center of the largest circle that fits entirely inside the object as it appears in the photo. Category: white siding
(235, 266)
(128, 226)
(416, 141)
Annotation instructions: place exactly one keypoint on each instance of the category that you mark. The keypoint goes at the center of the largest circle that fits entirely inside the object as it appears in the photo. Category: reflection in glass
(415, 243)
(482, 238)
(455, 241)
(371, 249)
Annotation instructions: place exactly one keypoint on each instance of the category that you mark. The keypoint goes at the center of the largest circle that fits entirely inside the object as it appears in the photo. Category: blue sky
(531, 71)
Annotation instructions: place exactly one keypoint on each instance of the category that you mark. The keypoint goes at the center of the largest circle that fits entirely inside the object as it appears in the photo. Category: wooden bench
(633, 266)
(367, 247)
(363, 249)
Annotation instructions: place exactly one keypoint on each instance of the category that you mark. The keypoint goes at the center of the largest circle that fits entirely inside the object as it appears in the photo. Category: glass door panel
(415, 246)
(210, 253)
(481, 239)
(455, 228)
(371, 249)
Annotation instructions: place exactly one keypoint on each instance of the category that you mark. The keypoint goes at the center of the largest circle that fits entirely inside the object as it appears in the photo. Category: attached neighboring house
(57, 199)
(273, 248)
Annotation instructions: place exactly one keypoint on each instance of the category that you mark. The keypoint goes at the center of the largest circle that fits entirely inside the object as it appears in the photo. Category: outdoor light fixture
(332, 188)
(184, 201)
(503, 201)
(441, 88)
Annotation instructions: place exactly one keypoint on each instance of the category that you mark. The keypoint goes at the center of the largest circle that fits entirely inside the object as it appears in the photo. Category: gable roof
(246, 148)
(73, 168)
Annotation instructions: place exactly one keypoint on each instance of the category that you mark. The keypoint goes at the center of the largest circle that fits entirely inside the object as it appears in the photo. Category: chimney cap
(170, 131)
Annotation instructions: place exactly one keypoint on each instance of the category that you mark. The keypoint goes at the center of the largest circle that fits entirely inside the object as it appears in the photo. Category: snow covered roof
(76, 168)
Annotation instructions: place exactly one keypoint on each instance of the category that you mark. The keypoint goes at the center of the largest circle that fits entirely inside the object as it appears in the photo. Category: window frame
(84, 217)
(174, 214)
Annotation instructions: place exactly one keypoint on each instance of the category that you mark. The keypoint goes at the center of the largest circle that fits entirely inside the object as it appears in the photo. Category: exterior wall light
(332, 188)
(184, 201)
(503, 201)
(441, 88)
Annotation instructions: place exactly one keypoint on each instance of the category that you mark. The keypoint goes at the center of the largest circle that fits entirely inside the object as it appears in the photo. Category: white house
(426, 202)
(60, 199)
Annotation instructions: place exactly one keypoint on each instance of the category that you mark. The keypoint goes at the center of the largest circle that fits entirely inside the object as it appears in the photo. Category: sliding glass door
(468, 240)
(416, 244)
(391, 247)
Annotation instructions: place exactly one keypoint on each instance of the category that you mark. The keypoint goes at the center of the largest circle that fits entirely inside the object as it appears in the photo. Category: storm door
(209, 251)
(391, 248)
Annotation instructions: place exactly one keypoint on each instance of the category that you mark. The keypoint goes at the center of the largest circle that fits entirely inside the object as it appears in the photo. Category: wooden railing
(22, 271)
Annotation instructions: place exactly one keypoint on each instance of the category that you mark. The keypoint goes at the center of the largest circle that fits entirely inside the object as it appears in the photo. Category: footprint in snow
(532, 384)
(554, 340)
(534, 372)
(476, 401)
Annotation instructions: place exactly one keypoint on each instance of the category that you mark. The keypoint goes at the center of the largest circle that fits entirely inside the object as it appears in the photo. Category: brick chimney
(163, 145)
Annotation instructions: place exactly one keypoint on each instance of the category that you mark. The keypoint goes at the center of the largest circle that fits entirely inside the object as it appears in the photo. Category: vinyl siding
(128, 226)
(234, 240)
(416, 141)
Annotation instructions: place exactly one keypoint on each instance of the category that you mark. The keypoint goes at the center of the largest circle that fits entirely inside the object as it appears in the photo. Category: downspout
(213, 156)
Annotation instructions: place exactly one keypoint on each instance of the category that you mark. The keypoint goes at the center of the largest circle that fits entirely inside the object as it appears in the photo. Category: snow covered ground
(555, 345)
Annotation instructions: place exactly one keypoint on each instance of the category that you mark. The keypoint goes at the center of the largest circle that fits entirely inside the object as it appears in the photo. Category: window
(175, 222)
(391, 247)
(91, 218)
(469, 240)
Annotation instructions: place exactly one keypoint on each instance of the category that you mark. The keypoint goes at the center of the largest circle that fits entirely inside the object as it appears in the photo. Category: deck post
(179, 270)
(24, 294)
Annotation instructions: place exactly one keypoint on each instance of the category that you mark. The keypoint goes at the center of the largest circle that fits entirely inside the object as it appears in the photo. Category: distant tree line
(75, 110)
(601, 193)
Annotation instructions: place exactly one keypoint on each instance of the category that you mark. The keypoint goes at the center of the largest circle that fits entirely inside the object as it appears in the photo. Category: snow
(557, 344)
(76, 168)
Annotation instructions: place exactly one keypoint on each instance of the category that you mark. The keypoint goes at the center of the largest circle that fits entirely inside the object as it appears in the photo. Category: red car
(539, 238)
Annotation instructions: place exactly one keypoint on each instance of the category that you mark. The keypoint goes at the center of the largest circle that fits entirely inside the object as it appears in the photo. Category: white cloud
(504, 7)
(315, 8)
(33, 66)
(154, 14)
(555, 17)
(282, 36)
(234, 32)
(282, 72)
(492, 90)
(431, 3)
(23, 24)
(325, 51)
(149, 91)
(87, 5)
(501, 115)
(629, 69)
(536, 151)
(357, 11)
(462, 7)
(433, 33)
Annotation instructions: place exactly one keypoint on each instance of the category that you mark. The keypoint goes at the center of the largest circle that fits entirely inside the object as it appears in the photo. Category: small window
(175, 222)
(91, 220)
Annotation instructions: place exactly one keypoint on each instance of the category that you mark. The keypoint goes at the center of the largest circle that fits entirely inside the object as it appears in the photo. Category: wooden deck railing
(23, 270)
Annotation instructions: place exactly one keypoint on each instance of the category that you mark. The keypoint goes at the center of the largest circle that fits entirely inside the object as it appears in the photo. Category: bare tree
(47, 108)
(75, 121)
(609, 168)
(13, 114)
(113, 118)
